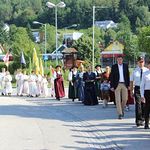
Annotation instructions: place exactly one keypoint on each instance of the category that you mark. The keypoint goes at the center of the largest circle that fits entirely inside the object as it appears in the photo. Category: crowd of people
(113, 84)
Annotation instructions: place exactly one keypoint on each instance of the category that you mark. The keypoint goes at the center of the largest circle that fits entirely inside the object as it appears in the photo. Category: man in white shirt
(145, 94)
(119, 83)
(135, 81)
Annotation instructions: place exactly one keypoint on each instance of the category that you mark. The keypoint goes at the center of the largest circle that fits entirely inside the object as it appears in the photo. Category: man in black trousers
(135, 81)
(145, 94)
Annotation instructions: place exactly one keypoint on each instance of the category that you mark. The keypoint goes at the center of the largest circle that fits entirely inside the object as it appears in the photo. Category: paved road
(47, 124)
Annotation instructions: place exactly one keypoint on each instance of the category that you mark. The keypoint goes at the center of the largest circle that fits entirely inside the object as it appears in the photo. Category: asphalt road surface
(48, 124)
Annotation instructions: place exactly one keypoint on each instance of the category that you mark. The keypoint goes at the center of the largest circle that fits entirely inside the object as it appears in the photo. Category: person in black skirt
(90, 97)
(72, 77)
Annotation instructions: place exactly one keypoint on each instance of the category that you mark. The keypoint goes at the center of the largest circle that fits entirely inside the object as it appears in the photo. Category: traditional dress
(8, 85)
(90, 97)
(32, 85)
(39, 84)
(51, 80)
(44, 87)
(18, 82)
(80, 86)
(98, 83)
(24, 89)
(72, 77)
(2, 82)
(59, 85)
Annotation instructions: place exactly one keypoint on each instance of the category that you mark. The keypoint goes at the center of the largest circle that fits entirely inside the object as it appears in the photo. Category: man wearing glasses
(135, 81)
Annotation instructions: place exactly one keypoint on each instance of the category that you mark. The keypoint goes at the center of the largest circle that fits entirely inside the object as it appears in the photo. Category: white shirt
(145, 83)
(120, 67)
(55, 74)
(71, 73)
(135, 76)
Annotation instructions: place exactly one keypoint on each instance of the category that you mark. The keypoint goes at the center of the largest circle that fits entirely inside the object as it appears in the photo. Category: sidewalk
(47, 124)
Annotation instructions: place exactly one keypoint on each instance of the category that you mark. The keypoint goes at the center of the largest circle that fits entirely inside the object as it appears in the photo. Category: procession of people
(114, 84)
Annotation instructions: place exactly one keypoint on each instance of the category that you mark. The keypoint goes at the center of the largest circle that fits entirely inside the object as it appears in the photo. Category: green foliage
(4, 34)
(76, 12)
(144, 39)
(21, 42)
(84, 47)
(129, 14)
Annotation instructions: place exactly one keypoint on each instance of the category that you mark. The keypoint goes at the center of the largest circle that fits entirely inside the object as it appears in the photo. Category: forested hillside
(132, 18)
(22, 12)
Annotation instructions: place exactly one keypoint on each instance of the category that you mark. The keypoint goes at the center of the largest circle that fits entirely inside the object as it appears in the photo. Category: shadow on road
(97, 126)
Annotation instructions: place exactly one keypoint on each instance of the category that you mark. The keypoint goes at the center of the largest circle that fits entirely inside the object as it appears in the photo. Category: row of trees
(24, 12)
(20, 39)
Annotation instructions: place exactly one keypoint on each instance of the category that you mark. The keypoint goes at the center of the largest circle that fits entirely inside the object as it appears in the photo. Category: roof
(105, 24)
(73, 36)
(69, 50)
(59, 49)
(114, 48)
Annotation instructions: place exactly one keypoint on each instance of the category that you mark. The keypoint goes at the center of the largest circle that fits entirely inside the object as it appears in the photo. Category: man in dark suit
(119, 82)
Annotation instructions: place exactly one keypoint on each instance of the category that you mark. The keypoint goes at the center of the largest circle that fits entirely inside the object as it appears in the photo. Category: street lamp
(93, 61)
(60, 5)
(36, 22)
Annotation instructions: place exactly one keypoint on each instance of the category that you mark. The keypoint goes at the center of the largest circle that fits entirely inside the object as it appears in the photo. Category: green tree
(84, 48)
(21, 42)
(4, 35)
(144, 39)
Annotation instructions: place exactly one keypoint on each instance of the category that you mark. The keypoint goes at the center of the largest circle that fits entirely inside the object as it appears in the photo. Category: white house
(105, 24)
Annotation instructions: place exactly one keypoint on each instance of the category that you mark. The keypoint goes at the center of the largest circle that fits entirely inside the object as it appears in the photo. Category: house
(105, 24)
(69, 57)
(68, 38)
(109, 54)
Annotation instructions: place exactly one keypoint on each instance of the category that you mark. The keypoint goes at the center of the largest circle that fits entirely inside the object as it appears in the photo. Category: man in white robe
(32, 84)
(8, 84)
(18, 81)
(24, 88)
(39, 85)
(2, 82)
(45, 86)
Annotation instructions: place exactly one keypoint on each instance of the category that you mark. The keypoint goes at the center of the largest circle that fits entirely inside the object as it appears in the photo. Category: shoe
(58, 99)
(146, 127)
(120, 117)
(73, 99)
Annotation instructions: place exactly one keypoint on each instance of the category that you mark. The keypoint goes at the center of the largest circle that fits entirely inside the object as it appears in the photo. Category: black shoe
(58, 99)
(120, 117)
(73, 99)
(3, 94)
(146, 127)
